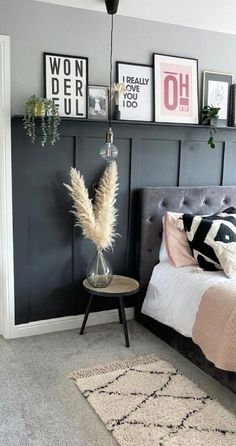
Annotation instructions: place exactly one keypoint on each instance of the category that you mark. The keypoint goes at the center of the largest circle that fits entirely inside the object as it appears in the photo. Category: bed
(176, 330)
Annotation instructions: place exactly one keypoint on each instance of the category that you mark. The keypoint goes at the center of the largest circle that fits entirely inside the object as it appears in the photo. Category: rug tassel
(116, 365)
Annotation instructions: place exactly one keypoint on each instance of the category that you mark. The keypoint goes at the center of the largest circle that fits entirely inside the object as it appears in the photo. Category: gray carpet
(39, 406)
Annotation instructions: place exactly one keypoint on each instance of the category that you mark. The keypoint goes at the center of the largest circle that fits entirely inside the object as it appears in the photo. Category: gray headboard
(155, 201)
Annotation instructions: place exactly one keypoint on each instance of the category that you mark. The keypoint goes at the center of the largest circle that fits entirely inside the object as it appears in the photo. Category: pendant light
(109, 151)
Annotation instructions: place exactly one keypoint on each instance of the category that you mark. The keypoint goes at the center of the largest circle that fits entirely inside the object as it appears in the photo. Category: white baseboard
(66, 323)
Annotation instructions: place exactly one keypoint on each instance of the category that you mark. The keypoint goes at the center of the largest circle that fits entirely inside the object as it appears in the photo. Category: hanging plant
(47, 112)
(210, 117)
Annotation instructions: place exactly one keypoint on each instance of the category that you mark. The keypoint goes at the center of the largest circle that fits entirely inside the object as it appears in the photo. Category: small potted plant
(47, 112)
(210, 117)
(116, 91)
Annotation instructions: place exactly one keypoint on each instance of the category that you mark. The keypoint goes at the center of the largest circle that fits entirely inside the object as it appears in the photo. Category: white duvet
(174, 294)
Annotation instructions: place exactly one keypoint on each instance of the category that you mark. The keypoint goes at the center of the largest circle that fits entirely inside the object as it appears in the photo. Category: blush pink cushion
(176, 242)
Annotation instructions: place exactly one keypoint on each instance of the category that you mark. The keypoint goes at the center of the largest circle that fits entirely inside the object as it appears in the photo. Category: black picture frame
(233, 105)
(176, 89)
(66, 82)
(137, 103)
(216, 93)
(98, 103)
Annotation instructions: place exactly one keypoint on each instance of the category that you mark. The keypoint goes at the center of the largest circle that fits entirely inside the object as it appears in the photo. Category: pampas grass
(97, 221)
(117, 90)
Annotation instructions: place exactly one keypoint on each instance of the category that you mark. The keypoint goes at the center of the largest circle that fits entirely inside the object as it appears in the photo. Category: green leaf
(210, 140)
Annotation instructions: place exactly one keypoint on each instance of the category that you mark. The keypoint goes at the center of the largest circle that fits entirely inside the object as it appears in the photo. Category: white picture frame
(137, 103)
(66, 82)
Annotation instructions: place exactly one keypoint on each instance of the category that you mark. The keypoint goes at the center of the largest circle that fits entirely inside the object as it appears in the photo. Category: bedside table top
(119, 286)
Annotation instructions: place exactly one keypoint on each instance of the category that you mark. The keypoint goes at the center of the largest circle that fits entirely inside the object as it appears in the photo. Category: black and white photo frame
(66, 82)
(216, 93)
(98, 102)
(137, 103)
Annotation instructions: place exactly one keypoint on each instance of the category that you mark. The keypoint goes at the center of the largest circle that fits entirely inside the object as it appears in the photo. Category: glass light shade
(109, 151)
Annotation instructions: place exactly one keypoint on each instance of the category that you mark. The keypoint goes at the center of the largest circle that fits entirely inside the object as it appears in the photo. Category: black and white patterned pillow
(204, 231)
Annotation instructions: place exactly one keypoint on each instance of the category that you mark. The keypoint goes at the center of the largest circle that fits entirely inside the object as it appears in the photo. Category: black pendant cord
(111, 58)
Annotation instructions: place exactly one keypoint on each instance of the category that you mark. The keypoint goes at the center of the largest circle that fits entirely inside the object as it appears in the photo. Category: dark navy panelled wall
(50, 255)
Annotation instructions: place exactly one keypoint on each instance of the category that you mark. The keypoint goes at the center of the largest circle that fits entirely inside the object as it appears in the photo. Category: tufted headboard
(155, 201)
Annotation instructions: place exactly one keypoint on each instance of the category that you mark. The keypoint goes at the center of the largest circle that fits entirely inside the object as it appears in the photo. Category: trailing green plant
(210, 116)
(47, 112)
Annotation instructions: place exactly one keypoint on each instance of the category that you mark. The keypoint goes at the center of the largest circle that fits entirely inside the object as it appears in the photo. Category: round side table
(119, 287)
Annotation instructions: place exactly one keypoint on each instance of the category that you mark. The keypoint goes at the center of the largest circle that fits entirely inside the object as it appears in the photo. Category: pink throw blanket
(214, 329)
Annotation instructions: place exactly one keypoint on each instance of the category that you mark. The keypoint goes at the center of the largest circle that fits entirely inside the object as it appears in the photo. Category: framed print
(97, 102)
(137, 103)
(216, 93)
(175, 89)
(66, 81)
(233, 105)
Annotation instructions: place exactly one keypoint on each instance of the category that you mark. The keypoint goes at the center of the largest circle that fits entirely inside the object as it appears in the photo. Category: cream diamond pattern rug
(148, 402)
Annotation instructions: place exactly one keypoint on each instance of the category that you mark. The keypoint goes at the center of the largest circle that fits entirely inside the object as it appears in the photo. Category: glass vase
(213, 122)
(116, 114)
(99, 271)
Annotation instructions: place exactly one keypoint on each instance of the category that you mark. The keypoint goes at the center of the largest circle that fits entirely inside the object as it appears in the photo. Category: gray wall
(51, 256)
(36, 27)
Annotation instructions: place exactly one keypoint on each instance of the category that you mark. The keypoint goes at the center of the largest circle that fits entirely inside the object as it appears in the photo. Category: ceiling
(213, 15)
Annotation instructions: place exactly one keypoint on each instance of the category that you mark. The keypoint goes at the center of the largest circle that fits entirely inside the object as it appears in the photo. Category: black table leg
(120, 317)
(86, 314)
(122, 313)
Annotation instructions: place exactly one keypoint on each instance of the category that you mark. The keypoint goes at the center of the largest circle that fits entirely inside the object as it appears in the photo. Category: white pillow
(226, 253)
